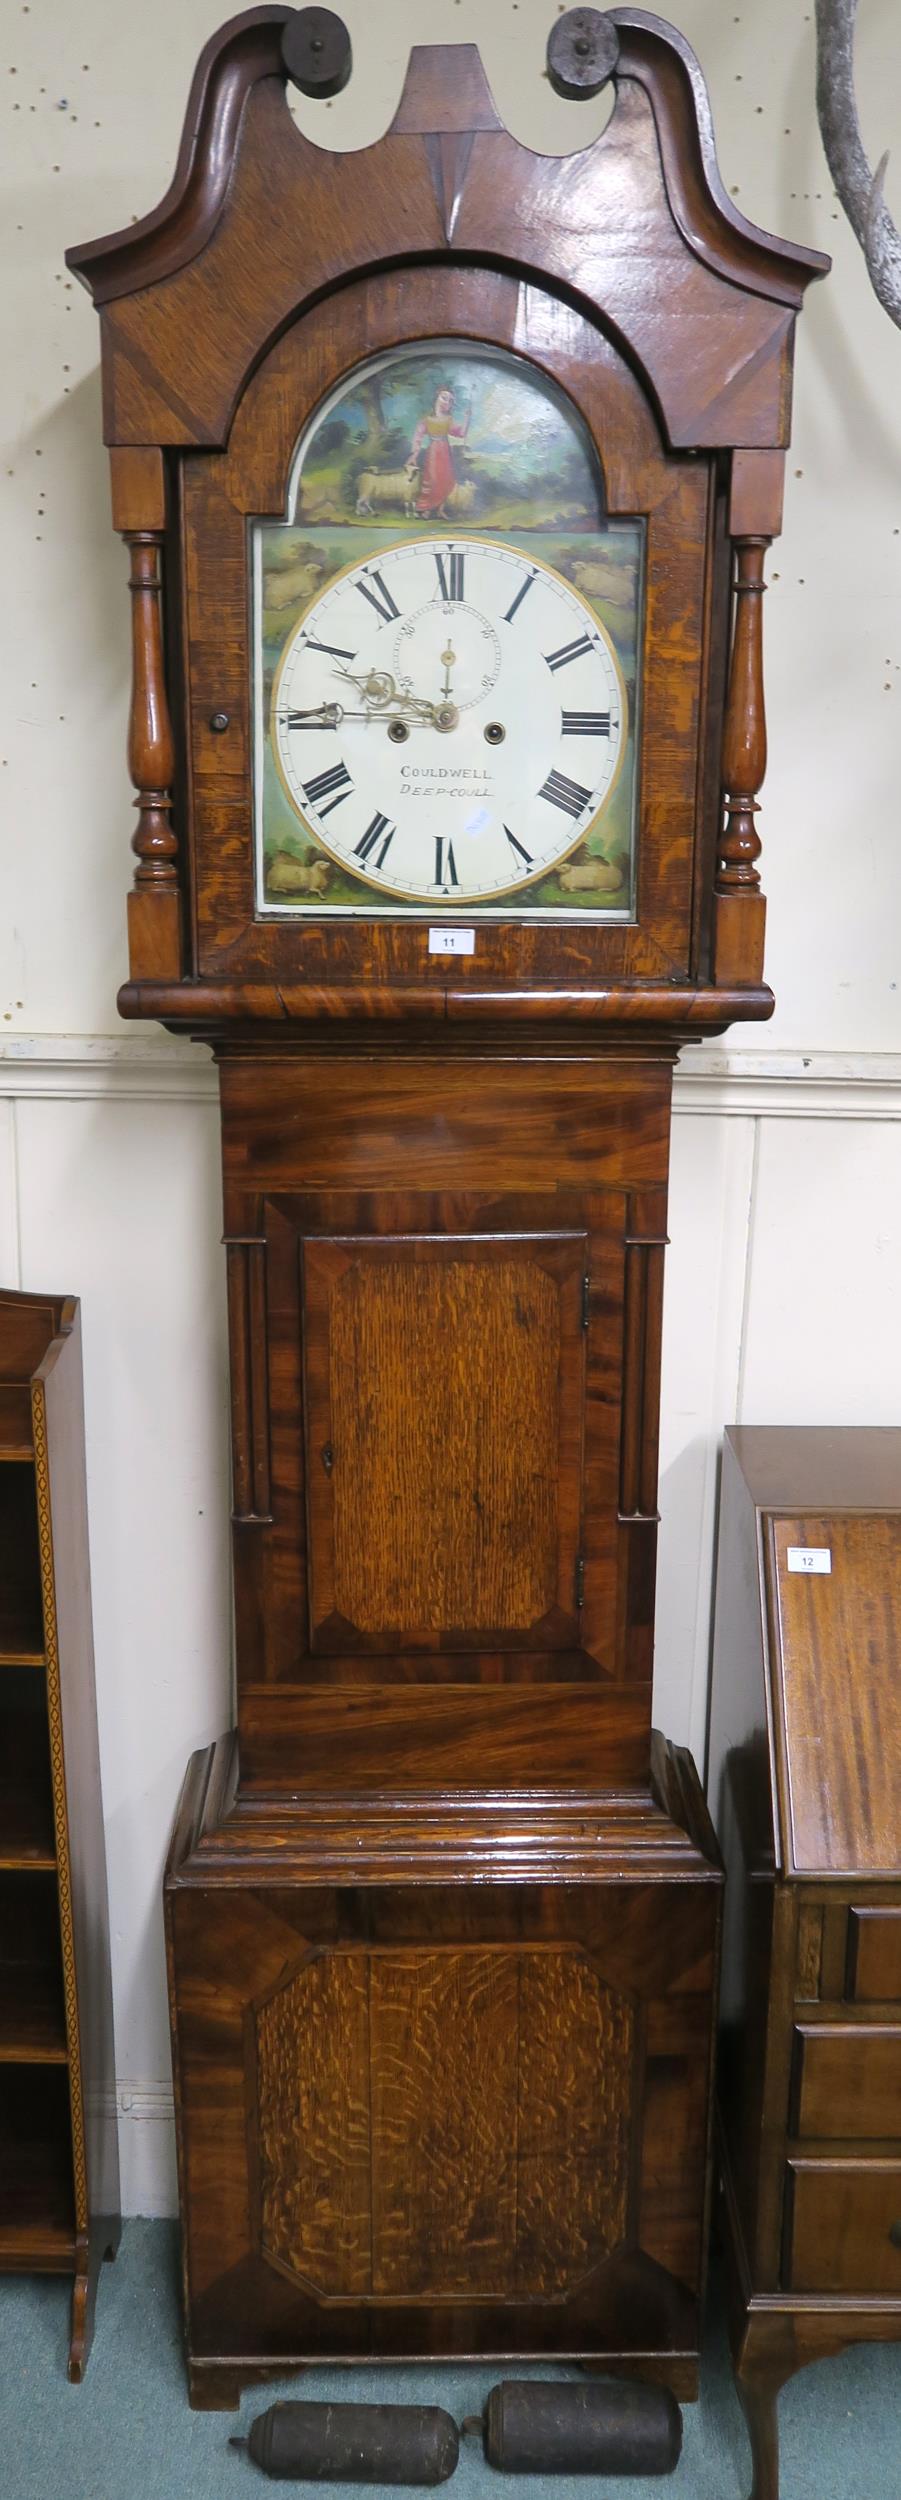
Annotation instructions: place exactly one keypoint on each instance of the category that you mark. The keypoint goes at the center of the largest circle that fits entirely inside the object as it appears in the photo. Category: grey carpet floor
(128, 2434)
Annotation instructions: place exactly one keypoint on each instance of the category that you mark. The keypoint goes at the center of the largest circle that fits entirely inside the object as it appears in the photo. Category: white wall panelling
(822, 1338)
(9, 1196)
(784, 1275)
(120, 1203)
(712, 1171)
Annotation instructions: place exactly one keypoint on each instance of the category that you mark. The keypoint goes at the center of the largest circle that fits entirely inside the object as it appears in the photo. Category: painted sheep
(590, 876)
(377, 488)
(296, 876)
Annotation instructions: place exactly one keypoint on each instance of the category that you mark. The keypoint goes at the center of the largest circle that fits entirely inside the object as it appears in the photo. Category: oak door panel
(444, 1405)
(285, 1564)
(442, 2124)
(310, 2043)
(456, 2115)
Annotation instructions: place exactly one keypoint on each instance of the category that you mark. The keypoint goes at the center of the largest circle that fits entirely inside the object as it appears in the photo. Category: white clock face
(449, 721)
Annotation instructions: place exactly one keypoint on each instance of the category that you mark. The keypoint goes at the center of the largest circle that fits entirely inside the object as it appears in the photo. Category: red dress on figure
(438, 474)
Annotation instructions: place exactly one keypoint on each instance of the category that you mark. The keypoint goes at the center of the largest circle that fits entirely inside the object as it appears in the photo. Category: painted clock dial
(449, 720)
(445, 715)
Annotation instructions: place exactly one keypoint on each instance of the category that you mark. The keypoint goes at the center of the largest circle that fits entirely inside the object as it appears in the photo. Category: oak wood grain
(523, 2208)
(444, 1403)
(313, 2117)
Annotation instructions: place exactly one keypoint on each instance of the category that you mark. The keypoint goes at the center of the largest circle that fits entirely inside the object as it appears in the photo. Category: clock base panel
(435, 2108)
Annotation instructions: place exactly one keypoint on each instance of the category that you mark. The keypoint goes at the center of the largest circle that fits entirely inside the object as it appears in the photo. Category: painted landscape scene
(479, 440)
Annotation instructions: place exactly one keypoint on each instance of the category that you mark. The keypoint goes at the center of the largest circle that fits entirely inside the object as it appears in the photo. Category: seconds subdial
(449, 652)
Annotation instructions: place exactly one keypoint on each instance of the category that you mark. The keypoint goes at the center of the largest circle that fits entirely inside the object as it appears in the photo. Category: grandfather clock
(447, 472)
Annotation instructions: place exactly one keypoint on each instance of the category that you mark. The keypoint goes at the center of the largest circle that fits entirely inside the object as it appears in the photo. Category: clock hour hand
(379, 689)
(377, 686)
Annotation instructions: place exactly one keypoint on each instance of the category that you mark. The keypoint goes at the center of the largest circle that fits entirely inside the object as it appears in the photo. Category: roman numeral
(450, 575)
(520, 595)
(332, 650)
(569, 651)
(379, 598)
(522, 854)
(445, 874)
(586, 724)
(564, 793)
(333, 785)
(378, 826)
(304, 720)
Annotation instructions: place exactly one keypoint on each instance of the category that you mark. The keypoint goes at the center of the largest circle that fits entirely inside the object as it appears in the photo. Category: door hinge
(586, 1299)
(580, 1579)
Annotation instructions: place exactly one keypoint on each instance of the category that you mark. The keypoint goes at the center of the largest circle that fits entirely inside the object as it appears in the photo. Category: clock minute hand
(322, 716)
(331, 715)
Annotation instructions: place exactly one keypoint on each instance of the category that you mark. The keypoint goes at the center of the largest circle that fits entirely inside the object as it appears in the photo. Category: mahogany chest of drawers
(803, 1783)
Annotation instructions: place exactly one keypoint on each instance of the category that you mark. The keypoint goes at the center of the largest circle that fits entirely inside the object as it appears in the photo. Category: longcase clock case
(442, 1921)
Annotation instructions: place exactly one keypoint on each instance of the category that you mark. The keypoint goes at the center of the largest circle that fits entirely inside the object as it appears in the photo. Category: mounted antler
(859, 189)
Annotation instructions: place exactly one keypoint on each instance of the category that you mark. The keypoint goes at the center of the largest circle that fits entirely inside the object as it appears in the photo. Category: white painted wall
(784, 1283)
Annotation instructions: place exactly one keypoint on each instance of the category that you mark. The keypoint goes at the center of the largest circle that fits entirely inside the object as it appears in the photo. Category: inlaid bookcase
(59, 2175)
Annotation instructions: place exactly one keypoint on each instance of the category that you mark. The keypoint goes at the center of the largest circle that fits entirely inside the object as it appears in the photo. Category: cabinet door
(454, 2118)
(444, 1403)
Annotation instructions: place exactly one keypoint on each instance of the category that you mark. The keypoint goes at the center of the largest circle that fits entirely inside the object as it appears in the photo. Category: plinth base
(442, 2075)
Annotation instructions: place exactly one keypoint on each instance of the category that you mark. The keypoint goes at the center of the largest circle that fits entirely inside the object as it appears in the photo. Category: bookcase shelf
(32, 2019)
(59, 2180)
(32, 1997)
(37, 2203)
(21, 1612)
(27, 1836)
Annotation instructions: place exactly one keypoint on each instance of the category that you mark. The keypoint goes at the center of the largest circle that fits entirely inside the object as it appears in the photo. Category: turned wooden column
(739, 906)
(154, 906)
(151, 755)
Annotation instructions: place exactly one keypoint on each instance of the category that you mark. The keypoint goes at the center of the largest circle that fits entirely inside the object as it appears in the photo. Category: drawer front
(847, 2080)
(844, 2227)
(874, 1956)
